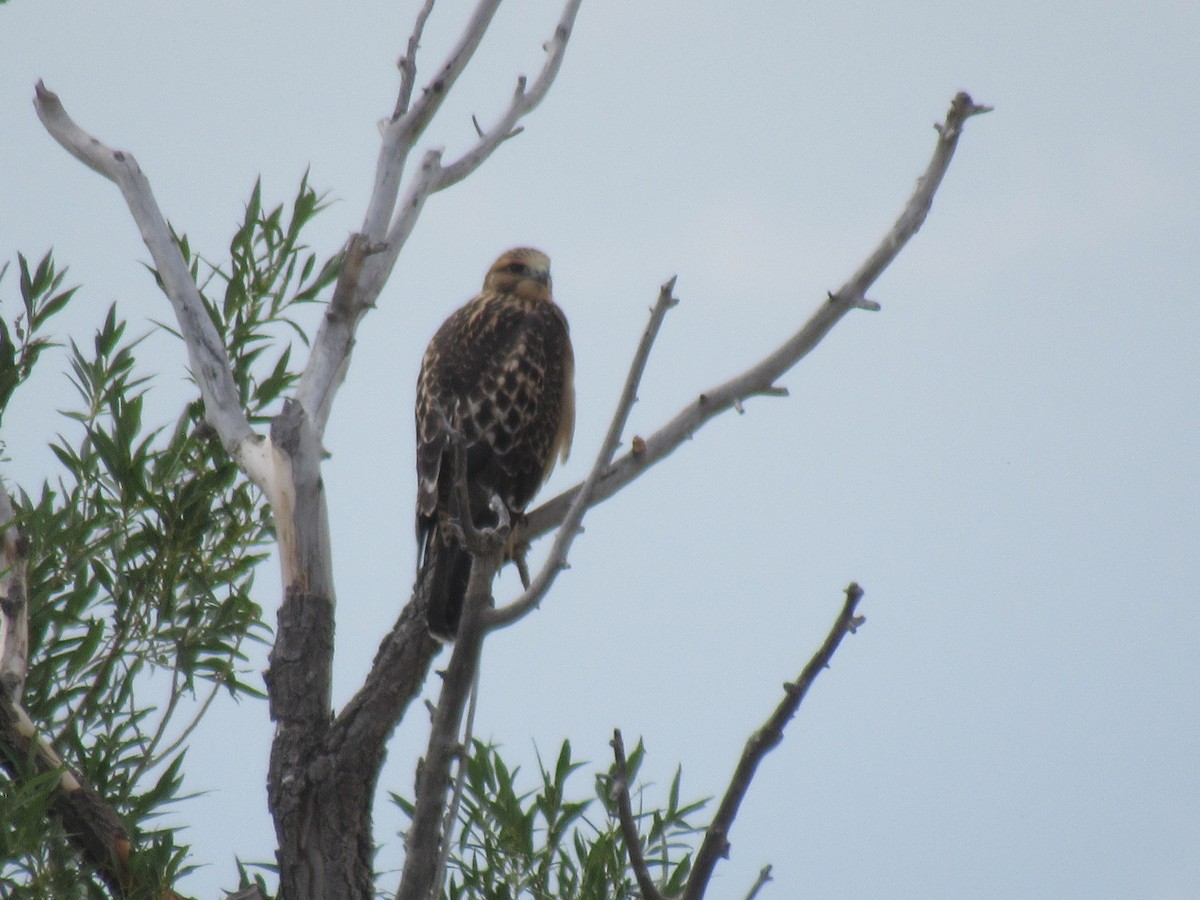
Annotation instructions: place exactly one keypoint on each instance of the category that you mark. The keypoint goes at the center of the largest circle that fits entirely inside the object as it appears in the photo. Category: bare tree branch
(764, 875)
(400, 135)
(567, 533)
(522, 103)
(716, 838)
(206, 351)
(760, 378)
(408, 62)
(629, 830)
(433, 776)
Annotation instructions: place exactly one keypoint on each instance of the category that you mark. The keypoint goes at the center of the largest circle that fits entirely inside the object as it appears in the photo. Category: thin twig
(191, 726)
(523, 102)
(401, 135)
(764, 875)
(716, 838)
(148, 747)
(760, 379)
(460, 783)
(629, 830)
(499, 618)
(408, 63)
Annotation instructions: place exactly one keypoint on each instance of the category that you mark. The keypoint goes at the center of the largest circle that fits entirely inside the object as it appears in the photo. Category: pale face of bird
(523, 271)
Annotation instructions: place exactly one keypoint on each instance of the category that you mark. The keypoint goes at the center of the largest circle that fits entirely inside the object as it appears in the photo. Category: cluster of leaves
(269, 272)
(41, 298)
(143, 552)
(536, 844)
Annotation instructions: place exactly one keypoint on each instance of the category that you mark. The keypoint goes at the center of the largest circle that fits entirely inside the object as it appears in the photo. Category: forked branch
(715, 844)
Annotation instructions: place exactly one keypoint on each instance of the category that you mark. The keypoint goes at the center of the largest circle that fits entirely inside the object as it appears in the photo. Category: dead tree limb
(390, 219)
(761, 378)
(206, 350)
(715, 845)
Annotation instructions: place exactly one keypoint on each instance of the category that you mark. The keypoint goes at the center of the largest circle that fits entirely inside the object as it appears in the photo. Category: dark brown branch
(764, 875)
(433, 776)
(716, 838)
(423, 860)
(629, 830)
(760, 379)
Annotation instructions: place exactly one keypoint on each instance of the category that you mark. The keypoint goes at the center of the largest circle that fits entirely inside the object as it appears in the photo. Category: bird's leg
(522, 566)
(496, 537)
(517, 547)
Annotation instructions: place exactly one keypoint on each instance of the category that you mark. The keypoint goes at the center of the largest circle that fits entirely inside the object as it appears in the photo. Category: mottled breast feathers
(500, 371)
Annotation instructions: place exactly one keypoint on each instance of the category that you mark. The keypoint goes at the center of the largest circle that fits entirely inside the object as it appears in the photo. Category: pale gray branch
(408, 62)
(329, 357)
(365, 269)
(760, 378)
(371, 255)
(379, 266)
(523, 102)
(557, 560)
(206, 351)
(401, 134)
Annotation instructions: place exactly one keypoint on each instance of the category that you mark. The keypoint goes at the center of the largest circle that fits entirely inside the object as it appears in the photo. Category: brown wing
(499, 370)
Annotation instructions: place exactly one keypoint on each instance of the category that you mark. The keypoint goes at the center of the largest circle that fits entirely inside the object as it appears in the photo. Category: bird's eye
(517, 268)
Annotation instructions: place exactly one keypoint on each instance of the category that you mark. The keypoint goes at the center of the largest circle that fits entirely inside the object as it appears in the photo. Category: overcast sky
(1005, 457)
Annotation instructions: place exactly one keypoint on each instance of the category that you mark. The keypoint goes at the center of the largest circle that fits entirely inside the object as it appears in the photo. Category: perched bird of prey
(499, 372)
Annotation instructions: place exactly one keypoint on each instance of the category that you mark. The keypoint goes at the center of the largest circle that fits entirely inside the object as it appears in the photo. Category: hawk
(500, 373)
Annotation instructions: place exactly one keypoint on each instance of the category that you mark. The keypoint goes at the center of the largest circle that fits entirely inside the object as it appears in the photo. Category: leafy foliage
(41, 299)
(143, 553)
(140, 577)
(535, 844)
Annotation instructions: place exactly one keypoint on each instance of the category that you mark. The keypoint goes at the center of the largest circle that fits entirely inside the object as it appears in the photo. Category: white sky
(1005, 457)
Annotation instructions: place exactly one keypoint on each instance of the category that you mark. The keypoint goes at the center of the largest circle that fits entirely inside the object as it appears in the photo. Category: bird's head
(522, 271)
